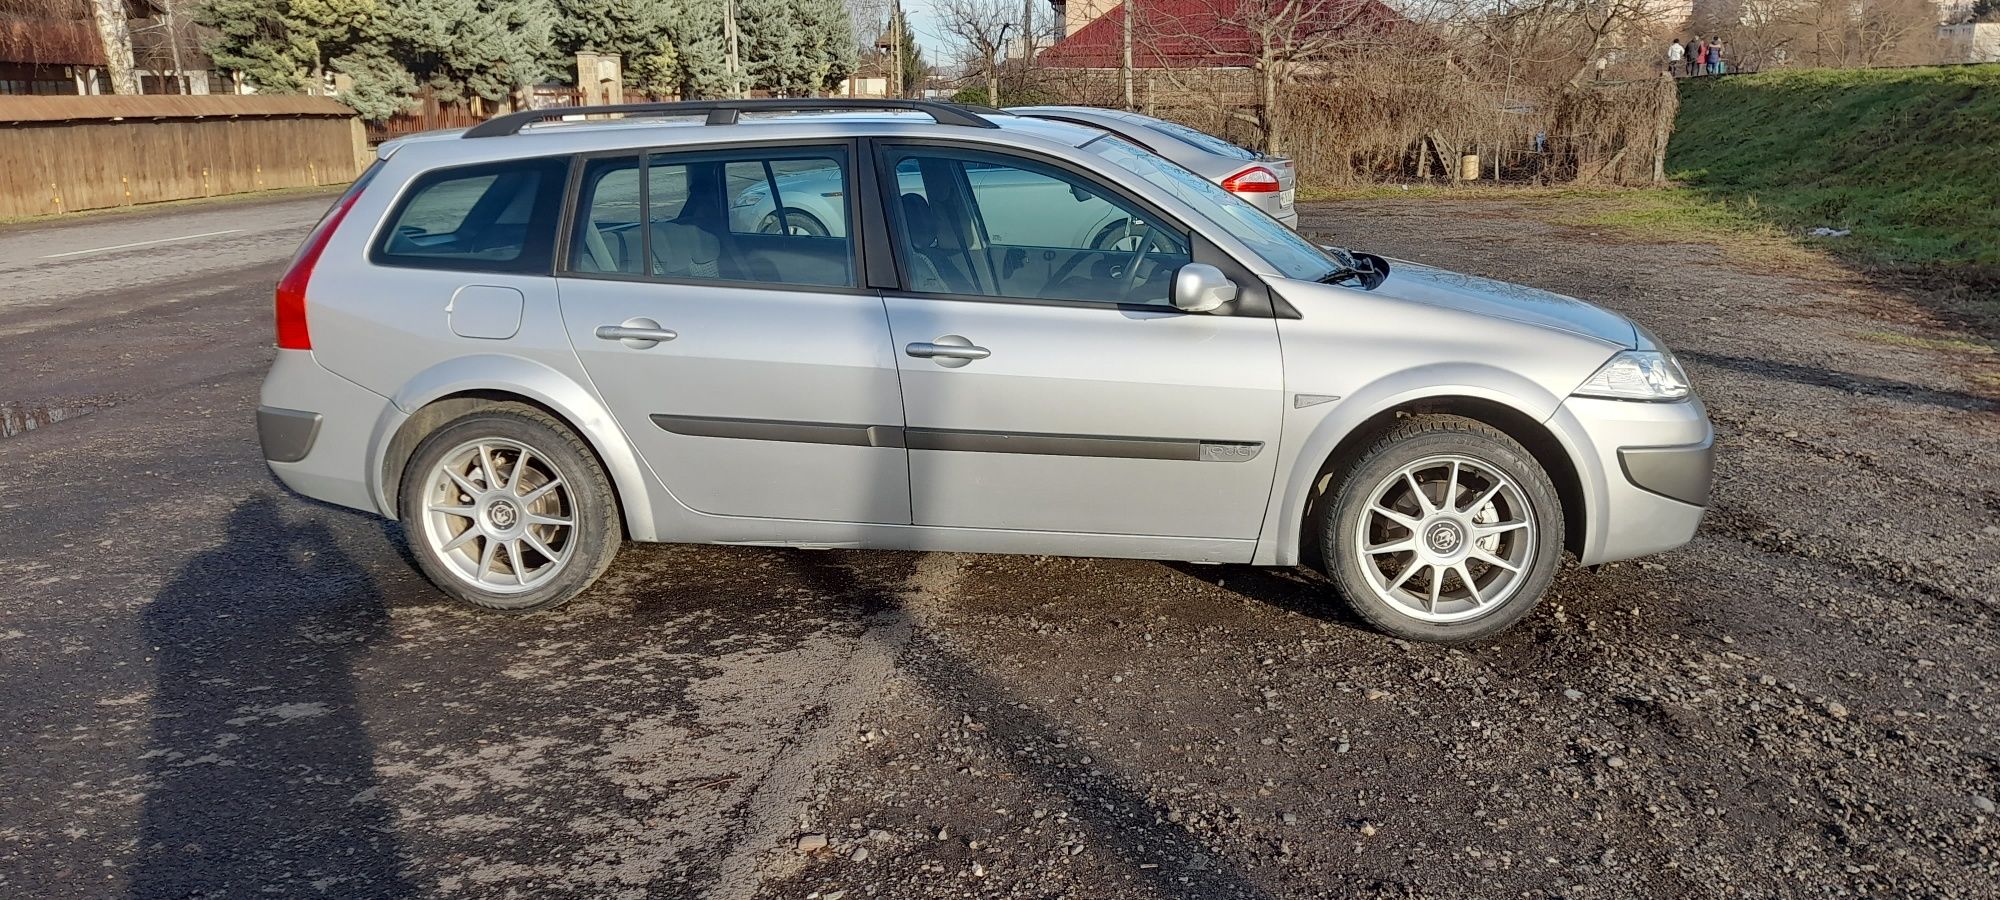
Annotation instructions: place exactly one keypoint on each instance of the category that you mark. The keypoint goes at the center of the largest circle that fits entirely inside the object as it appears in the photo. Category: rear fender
(494, 374)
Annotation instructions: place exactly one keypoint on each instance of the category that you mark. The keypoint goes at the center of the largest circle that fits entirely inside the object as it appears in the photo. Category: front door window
(978, 224)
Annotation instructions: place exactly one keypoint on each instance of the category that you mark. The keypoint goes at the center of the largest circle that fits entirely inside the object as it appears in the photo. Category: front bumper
(1645, 468)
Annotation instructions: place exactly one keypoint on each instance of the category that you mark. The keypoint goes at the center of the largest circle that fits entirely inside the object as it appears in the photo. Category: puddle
(21, 418)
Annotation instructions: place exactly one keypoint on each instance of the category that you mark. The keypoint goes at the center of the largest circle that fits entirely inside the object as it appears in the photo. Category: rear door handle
(950, 351)
(638, 333)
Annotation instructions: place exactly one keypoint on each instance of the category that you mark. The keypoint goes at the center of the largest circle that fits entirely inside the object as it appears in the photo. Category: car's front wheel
(1443, 529)
(508, 509)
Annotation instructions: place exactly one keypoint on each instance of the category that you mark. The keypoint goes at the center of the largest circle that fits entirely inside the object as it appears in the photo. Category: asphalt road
(211, 688)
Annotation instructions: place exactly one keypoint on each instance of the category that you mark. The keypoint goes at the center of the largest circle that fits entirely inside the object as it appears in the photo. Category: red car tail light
(291, 296)
(1253, 180)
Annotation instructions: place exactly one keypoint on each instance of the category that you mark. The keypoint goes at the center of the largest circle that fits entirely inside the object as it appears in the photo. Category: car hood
(1504, 300)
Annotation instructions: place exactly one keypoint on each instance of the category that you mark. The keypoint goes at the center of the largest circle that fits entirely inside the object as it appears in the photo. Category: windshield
(1293, 256)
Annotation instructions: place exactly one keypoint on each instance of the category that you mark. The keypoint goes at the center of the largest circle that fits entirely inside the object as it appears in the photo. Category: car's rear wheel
(1444, 529)
(508, 509)
(795, 222)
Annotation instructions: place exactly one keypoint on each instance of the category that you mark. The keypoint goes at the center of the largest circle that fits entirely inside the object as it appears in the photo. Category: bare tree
(980, 27)
(1275, 39)
(114, 32)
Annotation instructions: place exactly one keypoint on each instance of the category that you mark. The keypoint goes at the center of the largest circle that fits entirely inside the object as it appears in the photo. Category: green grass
(1907, 159)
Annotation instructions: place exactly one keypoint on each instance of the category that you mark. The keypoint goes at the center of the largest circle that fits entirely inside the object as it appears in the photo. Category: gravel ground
(1801, 702)
(212, 688)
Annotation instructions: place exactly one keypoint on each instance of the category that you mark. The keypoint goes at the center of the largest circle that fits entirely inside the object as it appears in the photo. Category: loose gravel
(1800, 703)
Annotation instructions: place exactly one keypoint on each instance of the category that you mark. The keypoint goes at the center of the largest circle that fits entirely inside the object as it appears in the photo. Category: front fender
(536, 382)
(1311, 434)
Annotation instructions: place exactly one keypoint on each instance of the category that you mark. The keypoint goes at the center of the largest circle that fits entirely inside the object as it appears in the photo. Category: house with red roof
(1208, 34)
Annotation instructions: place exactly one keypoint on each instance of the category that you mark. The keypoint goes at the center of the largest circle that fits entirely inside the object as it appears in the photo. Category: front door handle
(638, 333)
(950, 351)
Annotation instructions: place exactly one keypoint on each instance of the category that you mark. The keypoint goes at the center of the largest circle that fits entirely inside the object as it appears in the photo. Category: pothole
(21, 418)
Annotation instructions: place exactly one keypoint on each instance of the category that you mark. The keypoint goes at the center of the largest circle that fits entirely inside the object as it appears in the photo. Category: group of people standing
(1699, 56)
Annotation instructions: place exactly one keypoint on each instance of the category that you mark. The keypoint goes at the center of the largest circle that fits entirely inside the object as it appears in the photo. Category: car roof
(559, 136)
(1138, 128)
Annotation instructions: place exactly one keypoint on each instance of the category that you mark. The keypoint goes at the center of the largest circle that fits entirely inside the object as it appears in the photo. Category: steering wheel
(1147, 240)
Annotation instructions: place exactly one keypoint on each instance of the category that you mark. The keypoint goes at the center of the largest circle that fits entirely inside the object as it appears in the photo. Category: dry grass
(1951, 345)
(1669, 216)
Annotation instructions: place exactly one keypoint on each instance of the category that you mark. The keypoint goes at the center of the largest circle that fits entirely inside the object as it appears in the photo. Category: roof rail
(724, 112)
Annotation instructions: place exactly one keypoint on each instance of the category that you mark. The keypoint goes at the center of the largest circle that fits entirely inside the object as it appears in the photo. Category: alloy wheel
(499, 515)
(1445, 539)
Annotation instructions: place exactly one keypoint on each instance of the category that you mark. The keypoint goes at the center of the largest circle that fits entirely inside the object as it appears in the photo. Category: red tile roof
(1204, 33)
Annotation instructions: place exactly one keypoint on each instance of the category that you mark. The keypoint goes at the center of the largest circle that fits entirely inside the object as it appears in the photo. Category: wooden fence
(62, 154)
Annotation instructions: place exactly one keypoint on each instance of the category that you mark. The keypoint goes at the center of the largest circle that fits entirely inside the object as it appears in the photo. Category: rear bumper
(1646, 470)
(319, 431)
(287, 435)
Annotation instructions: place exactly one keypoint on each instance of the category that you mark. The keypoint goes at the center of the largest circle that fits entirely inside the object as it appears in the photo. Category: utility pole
(1127, 67)
(1027, 31)
(732, 53)
(896, 48)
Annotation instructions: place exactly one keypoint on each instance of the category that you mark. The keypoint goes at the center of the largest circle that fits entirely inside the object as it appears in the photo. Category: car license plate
(1285, 199)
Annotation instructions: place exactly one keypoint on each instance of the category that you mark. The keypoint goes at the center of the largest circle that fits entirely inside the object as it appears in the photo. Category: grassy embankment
(1906, 160)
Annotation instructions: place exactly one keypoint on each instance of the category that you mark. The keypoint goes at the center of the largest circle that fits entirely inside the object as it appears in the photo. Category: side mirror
(1200, 287)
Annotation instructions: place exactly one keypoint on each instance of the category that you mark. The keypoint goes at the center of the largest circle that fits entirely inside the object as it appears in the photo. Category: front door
(1048, 382)
(712, 298)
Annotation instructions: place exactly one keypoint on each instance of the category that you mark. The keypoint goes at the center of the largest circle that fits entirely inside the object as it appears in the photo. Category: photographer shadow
(260, 768)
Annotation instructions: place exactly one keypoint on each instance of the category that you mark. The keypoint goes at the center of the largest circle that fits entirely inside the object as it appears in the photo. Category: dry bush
(1380, 124)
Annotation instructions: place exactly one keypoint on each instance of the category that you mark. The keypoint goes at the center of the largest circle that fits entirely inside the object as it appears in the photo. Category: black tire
(1410, 442)
(800, 221)
(587, 547)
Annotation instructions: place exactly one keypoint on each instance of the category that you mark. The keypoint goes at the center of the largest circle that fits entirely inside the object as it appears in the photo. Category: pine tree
(832, 26)
(694, 32)
(482, 48)
(255, 38)
(777, 51)
(639, 31)
(380, 86)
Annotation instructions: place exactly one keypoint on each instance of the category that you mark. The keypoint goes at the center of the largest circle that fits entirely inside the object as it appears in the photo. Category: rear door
(713, 299)
(1048, 383)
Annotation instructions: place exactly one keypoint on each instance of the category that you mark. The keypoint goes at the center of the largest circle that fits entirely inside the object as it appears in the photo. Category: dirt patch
(1802, 701)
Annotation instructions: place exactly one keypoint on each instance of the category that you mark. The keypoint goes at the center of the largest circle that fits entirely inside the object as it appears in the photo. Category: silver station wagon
(914, 325)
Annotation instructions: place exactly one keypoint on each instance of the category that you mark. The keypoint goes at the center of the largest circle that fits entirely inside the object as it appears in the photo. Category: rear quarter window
(492, 217)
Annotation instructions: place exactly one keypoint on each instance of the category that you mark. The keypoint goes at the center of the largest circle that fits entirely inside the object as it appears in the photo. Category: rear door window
(778, 217)
(495, 217)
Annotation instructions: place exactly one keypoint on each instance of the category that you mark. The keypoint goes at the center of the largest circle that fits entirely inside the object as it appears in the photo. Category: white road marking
(185, 237)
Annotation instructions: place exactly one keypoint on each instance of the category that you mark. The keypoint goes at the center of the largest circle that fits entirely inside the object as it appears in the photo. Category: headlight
(1638, 375)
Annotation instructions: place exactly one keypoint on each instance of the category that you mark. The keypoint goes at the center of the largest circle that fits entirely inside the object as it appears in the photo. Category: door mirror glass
(1200, 287)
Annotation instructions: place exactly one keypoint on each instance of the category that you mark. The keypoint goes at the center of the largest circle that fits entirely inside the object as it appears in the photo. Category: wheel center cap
(1444, 538)
(503, 513)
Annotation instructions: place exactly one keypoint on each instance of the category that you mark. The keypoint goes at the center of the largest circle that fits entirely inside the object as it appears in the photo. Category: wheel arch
(469, 384)
(1300, 535)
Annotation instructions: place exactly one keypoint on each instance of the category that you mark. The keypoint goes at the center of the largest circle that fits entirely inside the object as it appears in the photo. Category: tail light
(1253, 180)
(291, 299)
